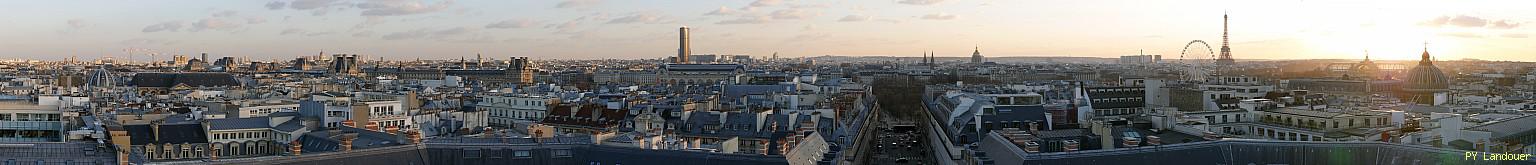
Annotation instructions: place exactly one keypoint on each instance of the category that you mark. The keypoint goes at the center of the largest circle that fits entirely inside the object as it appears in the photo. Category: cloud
(1462, 34)
(920, 2)
(722, 11)
(571, 25)
(226, 13)
(748, 19)
(1469, 22)
(510, 24)
(76, 23)
(369, 22)
(363, 34)
(647, 18)
(276, 5)
(310, 4)
(171, 26)
(147, 42)
(791, 14)
(474, 39)
(1504, 24)
(576, 3)
(939, 16)
(255, 20)
(428, 33)
(809, 37)
(413, 34)
(1515, 35)
(312, 34)
(765, 3)
(400, 7)
(293, 31)
(568, 25)
(214, 24)
(854, 18)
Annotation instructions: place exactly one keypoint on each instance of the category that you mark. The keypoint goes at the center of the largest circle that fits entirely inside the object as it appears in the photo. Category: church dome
(1426, 77)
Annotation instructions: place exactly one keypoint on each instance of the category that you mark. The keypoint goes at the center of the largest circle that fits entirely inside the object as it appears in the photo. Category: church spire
(1425, 59)
(1367, 55)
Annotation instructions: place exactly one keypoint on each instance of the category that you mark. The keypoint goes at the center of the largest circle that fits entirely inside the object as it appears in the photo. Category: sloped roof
(238, 123)
(169, 133)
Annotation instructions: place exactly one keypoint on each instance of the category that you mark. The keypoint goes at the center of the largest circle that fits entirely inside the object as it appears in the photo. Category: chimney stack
(296, 148)
(372, 126)
(414, 136)
(1069, 145)
(1031, 147)
(1154, 140)
(154, 126)
(346, 142)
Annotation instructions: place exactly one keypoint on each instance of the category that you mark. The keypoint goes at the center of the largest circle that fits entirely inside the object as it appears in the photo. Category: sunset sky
(634, 29)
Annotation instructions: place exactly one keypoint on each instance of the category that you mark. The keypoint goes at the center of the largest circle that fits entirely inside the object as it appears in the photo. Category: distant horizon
(1165, 58)
(646, 29)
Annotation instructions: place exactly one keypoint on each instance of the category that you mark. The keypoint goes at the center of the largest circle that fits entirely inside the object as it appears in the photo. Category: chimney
(349, 123)
(763, 150)
(372, 126)
(1130, 141)
(414, 136)
(346, 142)
(1031, 147)
(1034, 127)
(1069, 145)
(487, 132)
(296, 148)
(154, 126)
(1154, 140)
(392, 129)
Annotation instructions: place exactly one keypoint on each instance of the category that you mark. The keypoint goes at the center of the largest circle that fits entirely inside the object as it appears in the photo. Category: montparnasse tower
(683, 49)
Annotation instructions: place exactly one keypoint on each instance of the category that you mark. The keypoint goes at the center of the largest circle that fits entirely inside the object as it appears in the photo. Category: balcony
(31, 125)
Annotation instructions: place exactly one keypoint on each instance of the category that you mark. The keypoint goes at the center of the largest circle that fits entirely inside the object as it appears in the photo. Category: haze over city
(767, 82)
(600, 29)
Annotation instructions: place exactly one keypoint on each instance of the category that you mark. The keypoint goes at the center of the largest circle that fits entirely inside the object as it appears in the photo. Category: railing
(32, 125)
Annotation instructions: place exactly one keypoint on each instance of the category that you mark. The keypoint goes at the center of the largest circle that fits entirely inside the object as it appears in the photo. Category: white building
(507, 109)
(257, 108)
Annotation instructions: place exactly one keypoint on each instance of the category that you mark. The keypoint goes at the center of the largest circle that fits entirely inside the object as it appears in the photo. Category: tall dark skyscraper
(683, 50)
(1226, 52)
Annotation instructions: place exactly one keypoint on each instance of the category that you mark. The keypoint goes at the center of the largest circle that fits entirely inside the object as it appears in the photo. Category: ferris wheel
(1196, 60)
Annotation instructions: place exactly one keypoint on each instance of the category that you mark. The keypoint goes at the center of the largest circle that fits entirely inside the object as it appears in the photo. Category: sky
(647, 29)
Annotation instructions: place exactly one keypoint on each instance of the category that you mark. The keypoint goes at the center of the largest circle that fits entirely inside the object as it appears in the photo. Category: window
(522, 154)
(472, 153)
(562, 153)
